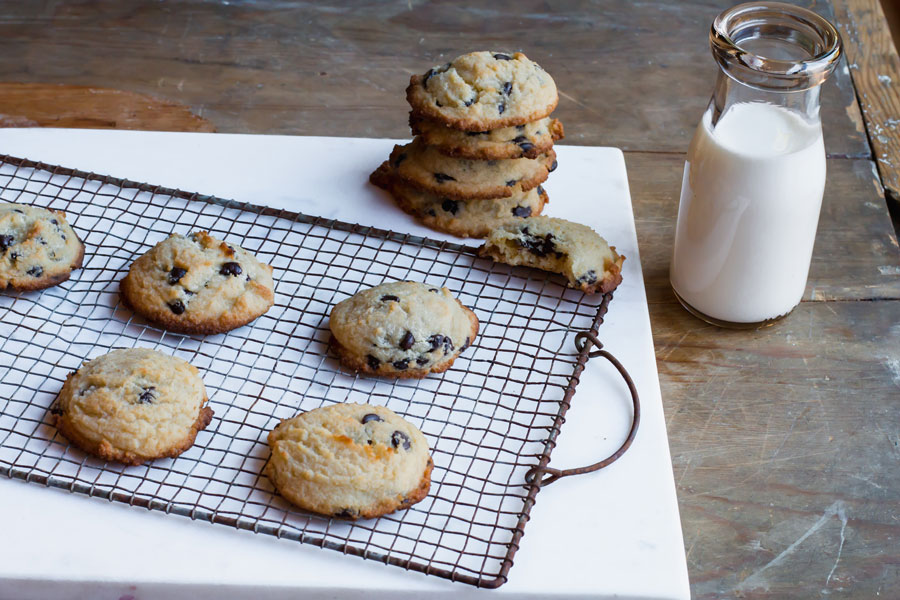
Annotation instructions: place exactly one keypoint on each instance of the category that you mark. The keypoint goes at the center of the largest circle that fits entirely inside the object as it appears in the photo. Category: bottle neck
(729, 92)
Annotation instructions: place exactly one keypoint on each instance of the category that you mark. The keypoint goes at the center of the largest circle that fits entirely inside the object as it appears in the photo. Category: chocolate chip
(466, 345)
(231, 268)
(426, 78)
(538, 245)
(503, 57)
(373, 362)
(521, 211)
(435, 290)
(520, 127)
(175, 275)
(21, 212)
(431, 212)
(501, 108)
(398, 438)
(408, 340)
(35, 271)
(553, 166)
(438, 104)
(14, 256)
(540, 190)
(589, 278)
(176, 307)
(401, 365)
(390, 298)
(42, 241)
(56, 410)
(519, 139)
(474, 133)
(422, 361)
(400, 158)
(526, 146)
(442, 177)
(346, 513)
(438, 340)
(148, 395)
(54, 221)
(371, 417)
(507, 88)
(511, 183)
(471, 101)
(6, 241)
(450, 206)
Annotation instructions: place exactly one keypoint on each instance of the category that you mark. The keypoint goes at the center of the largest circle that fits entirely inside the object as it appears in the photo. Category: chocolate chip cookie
(38, 248)
(480, 91)
(401, 329)
(351, 461)
(571, 249)
(133, 405)
(198, 284)
(425, 168)
(463, 218)
(521, 141)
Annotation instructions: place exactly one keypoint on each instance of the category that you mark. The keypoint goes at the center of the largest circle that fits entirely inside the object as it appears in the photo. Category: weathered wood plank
(57, 105)
(632, 75)
(875, 68)
(856, 256)
(786, 449)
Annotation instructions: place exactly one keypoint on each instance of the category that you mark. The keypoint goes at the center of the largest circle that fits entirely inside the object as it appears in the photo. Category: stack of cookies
(483, 145)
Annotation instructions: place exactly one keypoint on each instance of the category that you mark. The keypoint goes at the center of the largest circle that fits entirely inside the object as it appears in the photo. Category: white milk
(749, 208)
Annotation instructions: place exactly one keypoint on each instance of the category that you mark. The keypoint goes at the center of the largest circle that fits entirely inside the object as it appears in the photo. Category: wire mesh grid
(489, 419)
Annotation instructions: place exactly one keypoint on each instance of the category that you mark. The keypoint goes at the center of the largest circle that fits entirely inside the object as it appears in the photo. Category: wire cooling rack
(492, 419)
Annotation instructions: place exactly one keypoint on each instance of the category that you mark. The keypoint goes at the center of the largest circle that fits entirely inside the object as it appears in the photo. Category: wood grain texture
(57, 105)
(785, 441)
(875, 68)
(636, 75)
(786, 450)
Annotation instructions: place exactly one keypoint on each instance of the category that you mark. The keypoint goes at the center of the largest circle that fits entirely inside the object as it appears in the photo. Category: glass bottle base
(727, 324)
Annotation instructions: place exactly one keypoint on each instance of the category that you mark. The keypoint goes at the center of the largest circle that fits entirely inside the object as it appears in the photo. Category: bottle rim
(821, 40)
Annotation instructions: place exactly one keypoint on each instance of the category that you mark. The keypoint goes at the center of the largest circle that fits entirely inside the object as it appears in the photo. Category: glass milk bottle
(755, 169)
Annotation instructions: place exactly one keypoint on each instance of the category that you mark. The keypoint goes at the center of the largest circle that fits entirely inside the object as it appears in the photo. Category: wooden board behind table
(785, 441)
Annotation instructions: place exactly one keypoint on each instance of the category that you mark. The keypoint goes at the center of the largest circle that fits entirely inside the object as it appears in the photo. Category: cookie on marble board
(38, 247)
(571, 249)
(198, 284)
(133, 405)
(401, 329)
(350, 461)
(484, 90)
(520, 141)
(463, 218)
(423, 167)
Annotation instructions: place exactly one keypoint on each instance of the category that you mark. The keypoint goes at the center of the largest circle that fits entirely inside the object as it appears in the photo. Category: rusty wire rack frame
(534, 478)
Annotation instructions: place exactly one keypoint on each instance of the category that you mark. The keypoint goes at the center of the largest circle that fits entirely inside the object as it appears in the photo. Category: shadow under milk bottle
(755, 170)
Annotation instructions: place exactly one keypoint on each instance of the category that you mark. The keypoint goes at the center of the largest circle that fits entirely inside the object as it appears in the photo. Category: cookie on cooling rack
(529, 140)
(401, 329)
(198, 284)
(464, 218)
(350, 461)
(484, 90)
(571, 249)
(427, 169)
(38, 248)
(133, 405)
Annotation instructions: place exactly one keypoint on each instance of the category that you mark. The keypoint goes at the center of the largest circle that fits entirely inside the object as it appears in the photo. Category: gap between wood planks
(875, 70)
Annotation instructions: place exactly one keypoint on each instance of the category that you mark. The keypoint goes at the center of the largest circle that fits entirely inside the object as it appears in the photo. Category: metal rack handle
(548, 474)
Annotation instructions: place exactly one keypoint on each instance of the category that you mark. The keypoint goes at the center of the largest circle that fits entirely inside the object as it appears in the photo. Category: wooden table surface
(785, 441)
